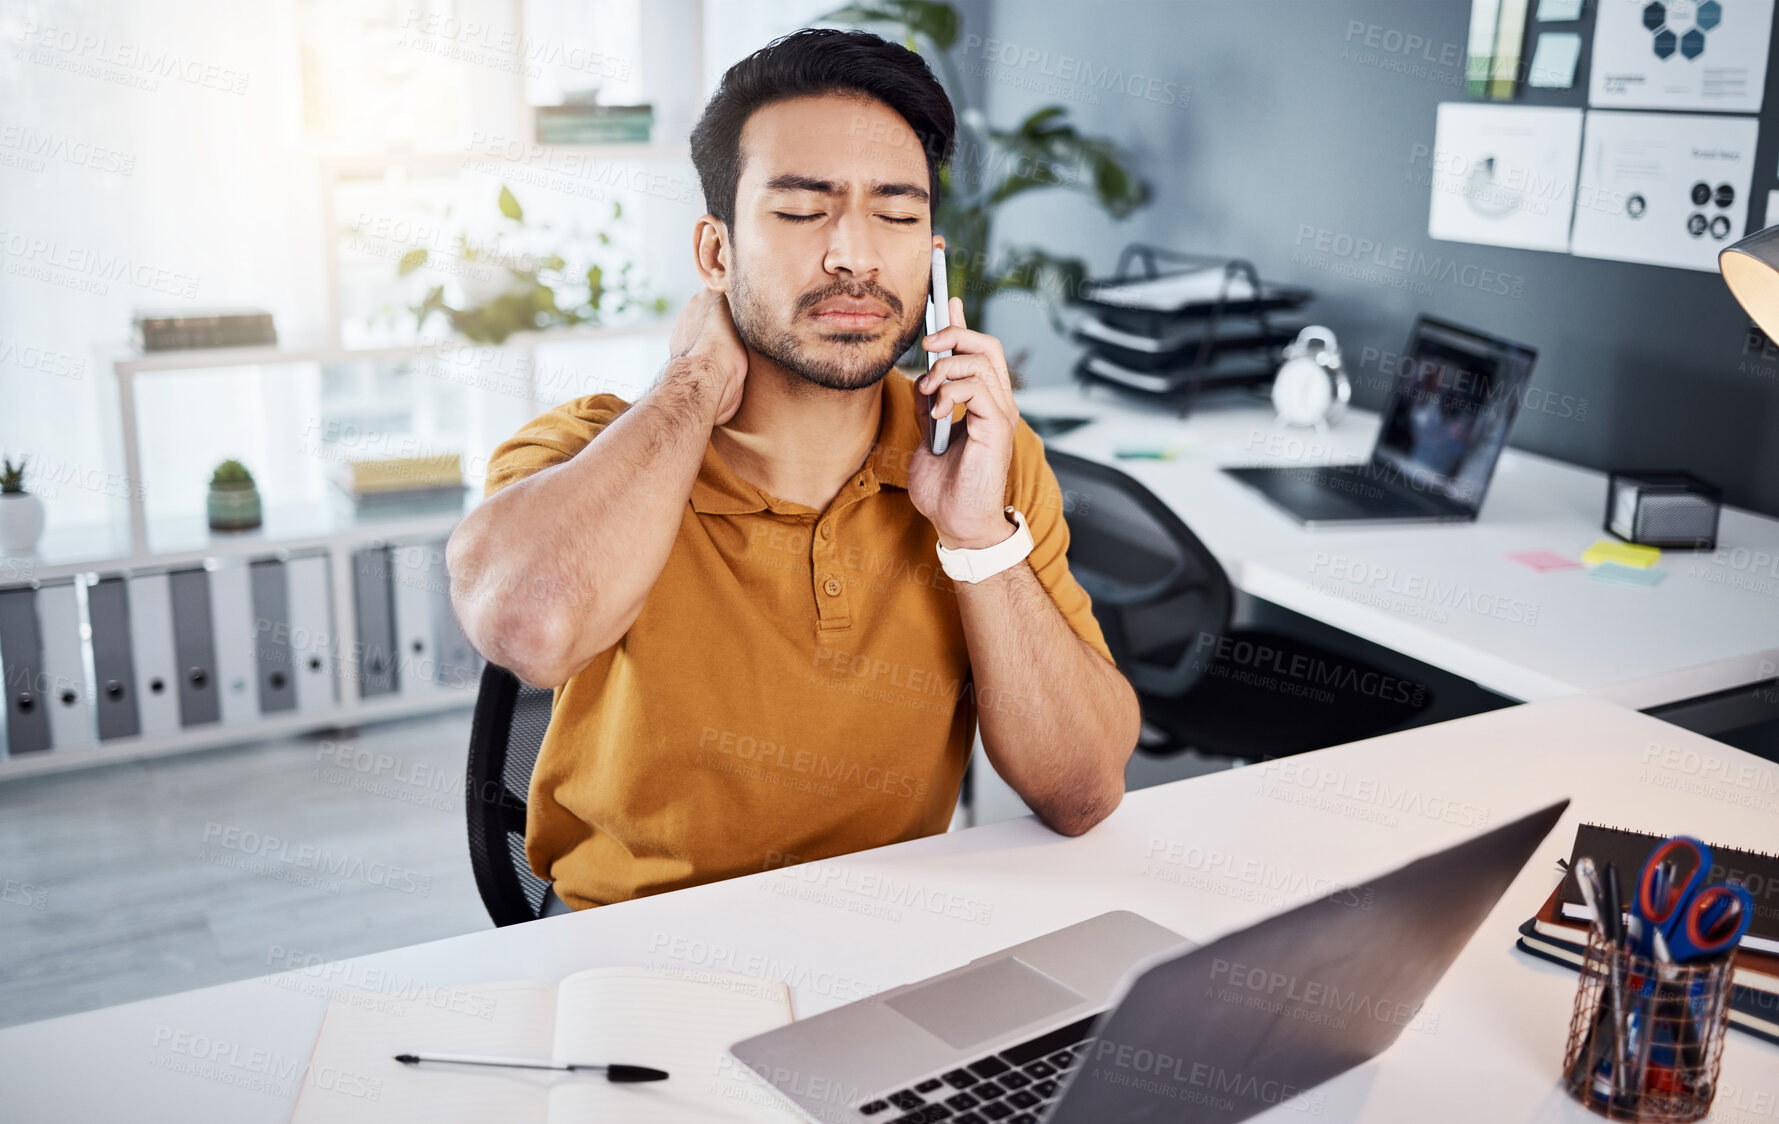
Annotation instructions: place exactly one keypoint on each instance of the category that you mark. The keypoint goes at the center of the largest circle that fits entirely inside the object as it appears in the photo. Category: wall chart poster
(1504, 175)
(1663, 188)
(1706, 55)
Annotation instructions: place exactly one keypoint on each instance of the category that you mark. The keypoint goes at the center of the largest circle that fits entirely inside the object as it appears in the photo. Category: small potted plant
(21, 514)
(234, 501)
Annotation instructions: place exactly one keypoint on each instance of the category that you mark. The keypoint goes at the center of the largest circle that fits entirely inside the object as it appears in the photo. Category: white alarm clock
(1311, 388)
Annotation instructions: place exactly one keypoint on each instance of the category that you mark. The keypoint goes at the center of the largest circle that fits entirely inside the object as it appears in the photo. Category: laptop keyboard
(1012, 1086)
(1370, 489)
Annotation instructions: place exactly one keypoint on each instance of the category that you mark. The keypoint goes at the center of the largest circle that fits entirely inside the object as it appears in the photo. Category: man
(734, 584)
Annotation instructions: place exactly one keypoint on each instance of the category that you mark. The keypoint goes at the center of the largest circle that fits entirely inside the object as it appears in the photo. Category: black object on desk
(1670, 509)
(1046, 426)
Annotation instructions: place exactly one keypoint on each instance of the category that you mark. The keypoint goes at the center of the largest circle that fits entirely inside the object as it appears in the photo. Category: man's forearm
(1058, 721)
(551, 570)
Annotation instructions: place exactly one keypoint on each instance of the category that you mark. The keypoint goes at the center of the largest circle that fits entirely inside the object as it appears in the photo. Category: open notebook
(683, 1023)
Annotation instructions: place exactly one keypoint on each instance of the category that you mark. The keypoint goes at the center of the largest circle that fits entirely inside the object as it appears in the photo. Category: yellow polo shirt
(796, 686)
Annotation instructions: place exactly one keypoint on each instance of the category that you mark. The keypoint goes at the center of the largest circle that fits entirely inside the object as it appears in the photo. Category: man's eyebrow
(791, 181)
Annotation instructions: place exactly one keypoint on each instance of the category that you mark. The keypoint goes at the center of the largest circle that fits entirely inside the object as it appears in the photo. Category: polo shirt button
(827, 530)
(832, 585)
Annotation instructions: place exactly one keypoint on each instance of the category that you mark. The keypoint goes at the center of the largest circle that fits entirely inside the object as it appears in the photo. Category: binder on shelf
(194, 646)
(21, 661)
(231, 623)
(114, 674)
(417, 671)
(374, 662)
(151, 648)
(460, 665)
(271, 636)
(64, 669)
(311, 633)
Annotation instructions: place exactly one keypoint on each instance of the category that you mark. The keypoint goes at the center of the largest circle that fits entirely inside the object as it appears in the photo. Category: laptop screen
(1452, 403)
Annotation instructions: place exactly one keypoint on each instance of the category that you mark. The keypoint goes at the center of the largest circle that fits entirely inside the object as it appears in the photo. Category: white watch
(976, 565)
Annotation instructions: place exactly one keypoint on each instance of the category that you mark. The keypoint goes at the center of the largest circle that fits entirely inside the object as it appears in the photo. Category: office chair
(504, 738)
(1165, 606)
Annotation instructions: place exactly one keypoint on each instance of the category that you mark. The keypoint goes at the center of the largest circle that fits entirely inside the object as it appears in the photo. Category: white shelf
(131, 363)
(211, 735)
(360, 164)
(285, 529)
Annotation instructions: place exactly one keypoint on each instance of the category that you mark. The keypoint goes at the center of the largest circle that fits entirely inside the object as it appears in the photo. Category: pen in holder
(1646, 1037)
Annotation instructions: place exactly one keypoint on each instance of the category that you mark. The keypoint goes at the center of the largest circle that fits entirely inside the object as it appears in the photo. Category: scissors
(1663, 895)
(1711, 922)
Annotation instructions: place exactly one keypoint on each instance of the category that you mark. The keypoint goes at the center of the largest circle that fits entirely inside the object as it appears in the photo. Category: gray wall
(1291, 125)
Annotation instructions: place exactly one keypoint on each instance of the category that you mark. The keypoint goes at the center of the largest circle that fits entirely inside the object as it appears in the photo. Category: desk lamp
(1751, 269)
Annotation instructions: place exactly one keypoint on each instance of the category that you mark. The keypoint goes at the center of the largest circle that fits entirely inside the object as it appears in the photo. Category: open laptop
(1451, 404)
(1118, 1018)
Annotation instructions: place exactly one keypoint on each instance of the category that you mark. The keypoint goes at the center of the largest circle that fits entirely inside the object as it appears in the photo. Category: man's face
(832, 248)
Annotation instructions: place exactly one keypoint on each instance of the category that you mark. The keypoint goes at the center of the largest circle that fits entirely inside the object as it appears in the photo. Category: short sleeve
(552, 437)
(1033, 489)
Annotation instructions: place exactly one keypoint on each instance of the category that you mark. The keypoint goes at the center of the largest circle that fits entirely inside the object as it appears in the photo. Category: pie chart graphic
(1486, 195)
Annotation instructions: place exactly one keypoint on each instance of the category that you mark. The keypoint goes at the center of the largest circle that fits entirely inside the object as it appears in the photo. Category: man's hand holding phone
(963, 491)
(705, 333)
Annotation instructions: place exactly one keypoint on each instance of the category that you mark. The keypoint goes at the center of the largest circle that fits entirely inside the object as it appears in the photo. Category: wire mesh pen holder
(1655, 1056)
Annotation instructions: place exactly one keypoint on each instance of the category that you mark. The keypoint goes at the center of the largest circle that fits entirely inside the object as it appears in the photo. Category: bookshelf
(137, 542)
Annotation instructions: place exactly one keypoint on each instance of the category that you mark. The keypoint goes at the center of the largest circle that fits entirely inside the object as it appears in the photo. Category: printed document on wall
(1663, 188)
(1681, 54)
(1503, 175)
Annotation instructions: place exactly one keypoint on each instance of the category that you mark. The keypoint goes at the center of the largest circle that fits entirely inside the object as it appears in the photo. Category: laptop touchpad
(977, 1005)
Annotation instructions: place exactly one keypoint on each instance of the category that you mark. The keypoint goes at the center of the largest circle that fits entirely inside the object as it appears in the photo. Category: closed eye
(811, 218)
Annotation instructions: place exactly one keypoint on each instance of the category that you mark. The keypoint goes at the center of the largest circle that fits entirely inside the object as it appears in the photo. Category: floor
(136, 880)
(131, 881)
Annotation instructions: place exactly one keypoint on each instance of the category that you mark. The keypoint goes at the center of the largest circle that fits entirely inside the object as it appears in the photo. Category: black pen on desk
(1615, 933)
(622, 1073)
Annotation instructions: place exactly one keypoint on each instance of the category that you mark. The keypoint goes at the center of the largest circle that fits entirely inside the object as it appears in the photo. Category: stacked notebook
(681, 1022)
(1155, 335)
(390, 483)
(1559, 931)
(594, 124)
(178, 329)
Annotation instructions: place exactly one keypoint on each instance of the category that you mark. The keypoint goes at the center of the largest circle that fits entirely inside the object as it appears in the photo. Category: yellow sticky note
(1623, 553)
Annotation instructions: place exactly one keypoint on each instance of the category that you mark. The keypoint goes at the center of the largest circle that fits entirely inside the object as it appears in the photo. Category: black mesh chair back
(505, 736)
(1156, 589)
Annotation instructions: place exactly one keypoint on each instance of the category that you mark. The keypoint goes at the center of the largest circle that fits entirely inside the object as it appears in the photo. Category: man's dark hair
(810, 62)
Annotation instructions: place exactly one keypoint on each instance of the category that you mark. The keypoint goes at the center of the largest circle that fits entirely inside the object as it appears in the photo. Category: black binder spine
(194, 647)
(271, 637)
(21, 656)
(372, 596)
(114, 665)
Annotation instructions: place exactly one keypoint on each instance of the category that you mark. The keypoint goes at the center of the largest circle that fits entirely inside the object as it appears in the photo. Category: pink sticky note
(1543, 560)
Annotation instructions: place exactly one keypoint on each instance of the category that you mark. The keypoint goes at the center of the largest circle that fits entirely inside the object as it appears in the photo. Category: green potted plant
(21, 513)
(524, 292)
(234, 501)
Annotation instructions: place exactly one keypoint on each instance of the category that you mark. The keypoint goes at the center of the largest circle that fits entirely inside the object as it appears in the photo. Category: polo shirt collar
(719, 491)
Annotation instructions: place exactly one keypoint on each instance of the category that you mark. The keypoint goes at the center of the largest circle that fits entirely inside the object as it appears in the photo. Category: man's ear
(710, 252)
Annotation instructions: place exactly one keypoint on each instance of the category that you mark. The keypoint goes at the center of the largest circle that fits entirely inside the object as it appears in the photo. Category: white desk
(1486, 1047)
(1443, 593)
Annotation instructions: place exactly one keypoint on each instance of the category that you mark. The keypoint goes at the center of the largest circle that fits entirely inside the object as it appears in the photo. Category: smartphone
(937, 432)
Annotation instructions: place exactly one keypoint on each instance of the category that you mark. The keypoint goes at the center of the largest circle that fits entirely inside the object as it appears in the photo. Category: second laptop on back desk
(1451, 405)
